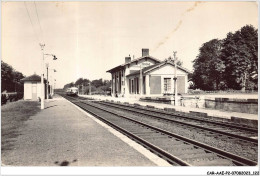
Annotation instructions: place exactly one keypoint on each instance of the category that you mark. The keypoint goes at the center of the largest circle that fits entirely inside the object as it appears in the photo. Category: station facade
(147, 76)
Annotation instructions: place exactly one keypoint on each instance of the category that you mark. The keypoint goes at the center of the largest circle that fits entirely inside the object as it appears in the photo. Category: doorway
(34, 91)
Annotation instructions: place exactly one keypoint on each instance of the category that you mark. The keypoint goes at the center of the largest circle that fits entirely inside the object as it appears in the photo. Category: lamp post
(53, 81)
(141, 80)
(175, 78)
(89, 88)
(47, 65)
(42, 84)
(42, 81)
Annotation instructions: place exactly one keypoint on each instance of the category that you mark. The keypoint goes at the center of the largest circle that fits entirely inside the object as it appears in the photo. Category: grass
(13, 116)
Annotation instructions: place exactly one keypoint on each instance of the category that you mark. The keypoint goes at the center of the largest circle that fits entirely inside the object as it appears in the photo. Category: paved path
(63, 135)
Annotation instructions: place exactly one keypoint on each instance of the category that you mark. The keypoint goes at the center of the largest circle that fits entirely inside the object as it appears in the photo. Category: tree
(98, 86)
(10, 79)
(179, 62)
(86, 81)
(6, 76)
(68, 85)
(240, 57)
(208, 66)
(97, 83)
(79, 81)
(17, 81)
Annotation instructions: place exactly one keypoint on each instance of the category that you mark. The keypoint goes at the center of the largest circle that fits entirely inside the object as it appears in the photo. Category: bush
(19, 95)
(3, 99)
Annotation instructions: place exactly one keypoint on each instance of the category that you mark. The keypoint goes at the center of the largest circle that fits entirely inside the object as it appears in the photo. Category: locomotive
(72, 91)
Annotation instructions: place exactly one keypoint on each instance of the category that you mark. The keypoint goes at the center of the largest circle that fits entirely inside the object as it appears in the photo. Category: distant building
(157, 77)
(32, 87)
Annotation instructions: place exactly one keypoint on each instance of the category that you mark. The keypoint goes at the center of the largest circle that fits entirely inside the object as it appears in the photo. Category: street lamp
(52, 81)
(42, 84)
(47, 65)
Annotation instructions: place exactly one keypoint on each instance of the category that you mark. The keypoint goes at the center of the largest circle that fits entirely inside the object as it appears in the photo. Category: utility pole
(175, 78)
(42, 84)
(47, 65)
(141, 80)
(89, 88)
(82, 89)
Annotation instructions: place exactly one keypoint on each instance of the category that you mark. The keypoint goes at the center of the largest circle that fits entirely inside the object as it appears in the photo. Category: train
(72, 91)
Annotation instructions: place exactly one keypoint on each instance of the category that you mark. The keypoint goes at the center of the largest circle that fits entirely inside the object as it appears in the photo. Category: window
(167, 85)
(137, 85)
(132, 89)
(130, 86)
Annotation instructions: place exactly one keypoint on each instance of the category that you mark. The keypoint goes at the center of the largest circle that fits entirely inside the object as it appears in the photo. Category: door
(34, 91)
(181, 84)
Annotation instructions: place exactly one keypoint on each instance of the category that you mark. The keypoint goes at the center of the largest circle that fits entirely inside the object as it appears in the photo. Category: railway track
(176, 149)
(247, 134)
(228, 140)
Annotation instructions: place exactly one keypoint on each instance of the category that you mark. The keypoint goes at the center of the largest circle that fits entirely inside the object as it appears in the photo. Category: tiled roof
(121, 66)
(143, 70)
(33, 77)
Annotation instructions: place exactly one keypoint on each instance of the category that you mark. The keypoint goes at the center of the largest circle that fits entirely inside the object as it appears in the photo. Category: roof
(134, 60)
(143, 70)
(150, 68)
(33, 77)
(171, 63)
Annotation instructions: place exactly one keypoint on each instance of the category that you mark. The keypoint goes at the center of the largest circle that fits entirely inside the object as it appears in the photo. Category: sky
(89, 38)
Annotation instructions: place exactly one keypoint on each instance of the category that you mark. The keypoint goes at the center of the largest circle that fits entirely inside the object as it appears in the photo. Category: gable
(166, 69)
(145, 62)
(135, 64)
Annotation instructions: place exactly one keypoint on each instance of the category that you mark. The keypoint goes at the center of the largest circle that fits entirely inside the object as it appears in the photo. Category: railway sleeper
(204, 156)
(163, 144)
(181, 152)
(215, 162)
(151, 136)
(177, 148)
(136, 131)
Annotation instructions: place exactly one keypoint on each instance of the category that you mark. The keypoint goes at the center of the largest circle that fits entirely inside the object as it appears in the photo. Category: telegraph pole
(47, 65)
(89, 88)
(175, 78)
(141, 80)
(42, 84)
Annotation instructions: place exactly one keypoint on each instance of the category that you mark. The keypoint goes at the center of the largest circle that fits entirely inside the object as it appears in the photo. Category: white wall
(27, 90)
(167, 71)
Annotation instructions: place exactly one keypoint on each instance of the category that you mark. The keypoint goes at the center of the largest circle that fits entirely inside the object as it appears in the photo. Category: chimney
(127, 59)
(145, 52)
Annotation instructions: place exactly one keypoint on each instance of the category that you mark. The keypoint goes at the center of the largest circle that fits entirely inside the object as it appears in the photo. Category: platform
(240, 118)
(63, 135)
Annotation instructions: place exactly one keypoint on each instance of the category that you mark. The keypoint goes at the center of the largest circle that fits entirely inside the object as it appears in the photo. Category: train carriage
(72, 91)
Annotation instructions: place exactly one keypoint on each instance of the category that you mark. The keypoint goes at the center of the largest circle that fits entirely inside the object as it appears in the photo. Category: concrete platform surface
(63, 135)
(210, 112)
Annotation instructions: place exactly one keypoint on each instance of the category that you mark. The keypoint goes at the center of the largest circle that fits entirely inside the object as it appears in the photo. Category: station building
(32, 87)
(147, 76)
